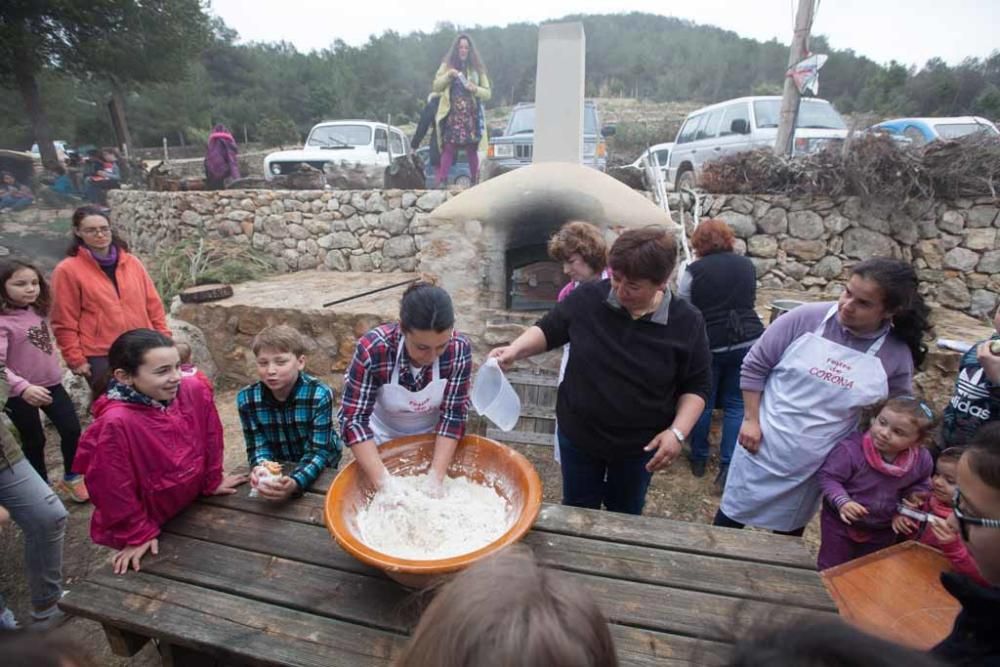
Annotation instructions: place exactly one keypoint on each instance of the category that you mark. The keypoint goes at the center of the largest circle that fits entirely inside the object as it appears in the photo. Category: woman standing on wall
(462, 83)
(100, 291)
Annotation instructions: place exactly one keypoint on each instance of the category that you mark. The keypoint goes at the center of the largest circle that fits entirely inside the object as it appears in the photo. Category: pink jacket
(956, 553)
(144, 465)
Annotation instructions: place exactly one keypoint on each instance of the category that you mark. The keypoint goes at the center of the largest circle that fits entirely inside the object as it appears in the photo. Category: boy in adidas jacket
(976, 399)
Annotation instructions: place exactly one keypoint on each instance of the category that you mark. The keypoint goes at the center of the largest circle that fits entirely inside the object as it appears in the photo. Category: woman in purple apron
(804, 384)
(408, 378)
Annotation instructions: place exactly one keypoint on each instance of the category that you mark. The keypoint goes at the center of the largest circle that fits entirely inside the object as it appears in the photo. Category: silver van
(744, 124)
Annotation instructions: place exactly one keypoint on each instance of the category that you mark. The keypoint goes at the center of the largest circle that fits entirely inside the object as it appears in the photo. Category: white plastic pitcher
(494, 398)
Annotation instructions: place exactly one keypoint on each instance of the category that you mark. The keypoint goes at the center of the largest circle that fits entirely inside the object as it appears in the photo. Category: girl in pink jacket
(154, 447)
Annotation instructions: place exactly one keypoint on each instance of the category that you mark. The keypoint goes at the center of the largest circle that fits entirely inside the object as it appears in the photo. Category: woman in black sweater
(638, 373)
(723, 286)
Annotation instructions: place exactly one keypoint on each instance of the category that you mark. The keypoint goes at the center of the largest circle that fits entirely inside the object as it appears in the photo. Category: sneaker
(698, 467)
(7, 620)
(74, 487)
(50, 622)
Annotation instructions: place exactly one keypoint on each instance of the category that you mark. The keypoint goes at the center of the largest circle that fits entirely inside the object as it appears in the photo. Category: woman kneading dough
(408, 378)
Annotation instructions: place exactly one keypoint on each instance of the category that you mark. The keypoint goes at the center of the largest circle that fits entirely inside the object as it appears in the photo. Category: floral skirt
(461, 125)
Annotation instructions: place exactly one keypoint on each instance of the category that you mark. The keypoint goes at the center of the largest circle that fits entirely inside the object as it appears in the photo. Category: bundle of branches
(965, 167)
(197, 261)
(870, 166)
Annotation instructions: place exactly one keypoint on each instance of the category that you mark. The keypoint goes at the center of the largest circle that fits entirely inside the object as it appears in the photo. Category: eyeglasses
(96, 231)
(964, 520)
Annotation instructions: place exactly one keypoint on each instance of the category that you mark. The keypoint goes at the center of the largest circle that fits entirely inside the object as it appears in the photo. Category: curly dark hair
(712, 236)
(898, 282)
(583, 238)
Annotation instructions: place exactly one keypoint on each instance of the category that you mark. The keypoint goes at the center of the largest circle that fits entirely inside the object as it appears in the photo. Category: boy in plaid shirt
(287, 416)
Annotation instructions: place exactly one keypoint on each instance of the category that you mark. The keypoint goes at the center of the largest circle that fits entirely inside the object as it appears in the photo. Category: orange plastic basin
(482, 460)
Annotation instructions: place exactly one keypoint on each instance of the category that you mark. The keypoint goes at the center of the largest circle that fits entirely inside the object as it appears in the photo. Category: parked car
(924, 130)
(659, 154)
(361, 141)
(744, 124)
(459, 175)
(514, 146)
(62, 149)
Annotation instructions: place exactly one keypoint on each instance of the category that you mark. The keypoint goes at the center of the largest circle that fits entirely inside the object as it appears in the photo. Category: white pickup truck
(352, 141)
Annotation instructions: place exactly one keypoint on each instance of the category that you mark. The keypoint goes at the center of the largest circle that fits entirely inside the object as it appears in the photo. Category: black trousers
(29, 424)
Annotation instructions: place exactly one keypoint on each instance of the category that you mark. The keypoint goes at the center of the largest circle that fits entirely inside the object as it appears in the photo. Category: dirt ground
(674, 494)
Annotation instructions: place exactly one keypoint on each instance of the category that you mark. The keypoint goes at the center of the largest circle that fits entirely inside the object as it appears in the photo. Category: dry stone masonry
(806, 244)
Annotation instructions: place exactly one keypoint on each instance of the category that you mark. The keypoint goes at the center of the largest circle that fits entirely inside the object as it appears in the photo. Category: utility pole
(791, 97)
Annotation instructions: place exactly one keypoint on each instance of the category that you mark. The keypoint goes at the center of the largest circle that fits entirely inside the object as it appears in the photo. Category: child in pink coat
(154, 447)
(939, 506)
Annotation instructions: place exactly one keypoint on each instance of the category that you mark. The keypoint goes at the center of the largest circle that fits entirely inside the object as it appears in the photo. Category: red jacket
(144, 465)
(88, 314)
(955, 551)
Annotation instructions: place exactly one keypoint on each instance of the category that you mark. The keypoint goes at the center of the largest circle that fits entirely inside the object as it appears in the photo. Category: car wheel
(463, 182)
(685, 180)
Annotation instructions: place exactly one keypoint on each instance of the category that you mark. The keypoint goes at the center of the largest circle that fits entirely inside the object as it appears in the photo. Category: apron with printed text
(810, 402)
(400, 412)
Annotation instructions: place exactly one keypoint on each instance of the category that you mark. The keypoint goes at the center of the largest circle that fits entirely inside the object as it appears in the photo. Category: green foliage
(185, 72)
(277, 131)
(197, 261)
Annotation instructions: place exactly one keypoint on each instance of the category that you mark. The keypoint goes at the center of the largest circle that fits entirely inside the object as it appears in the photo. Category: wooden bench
(240, 581)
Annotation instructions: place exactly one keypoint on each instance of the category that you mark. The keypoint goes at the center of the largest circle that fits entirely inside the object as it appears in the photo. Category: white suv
(744, 124)
(334, 141)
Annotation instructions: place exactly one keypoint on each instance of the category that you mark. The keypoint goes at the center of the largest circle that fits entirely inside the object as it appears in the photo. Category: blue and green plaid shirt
(299, 429)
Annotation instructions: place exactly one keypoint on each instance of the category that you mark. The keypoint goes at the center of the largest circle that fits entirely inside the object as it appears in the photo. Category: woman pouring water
(408, 378)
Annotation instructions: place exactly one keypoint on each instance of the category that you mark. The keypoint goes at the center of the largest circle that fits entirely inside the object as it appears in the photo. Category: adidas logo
(971, 385)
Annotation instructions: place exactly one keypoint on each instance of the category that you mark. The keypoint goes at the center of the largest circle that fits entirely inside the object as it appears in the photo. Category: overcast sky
(910, 31)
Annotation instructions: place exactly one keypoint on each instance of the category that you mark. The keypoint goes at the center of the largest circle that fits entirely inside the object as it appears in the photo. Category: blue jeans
(37, 510)
(725, 394)
(15, 203)
(591, 481)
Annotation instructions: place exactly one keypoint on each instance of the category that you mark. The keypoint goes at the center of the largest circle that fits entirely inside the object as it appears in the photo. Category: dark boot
(698, 467)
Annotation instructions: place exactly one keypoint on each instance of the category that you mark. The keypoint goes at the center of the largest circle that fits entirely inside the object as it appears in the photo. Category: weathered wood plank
(523, 437)
(312, 544)
(293, 540)
(379, 603)
(234, 628)
(347, 596)
(537, 379)
(538, 412)
(675, 611)
(755, 581)
(657, 532)
(637, 647)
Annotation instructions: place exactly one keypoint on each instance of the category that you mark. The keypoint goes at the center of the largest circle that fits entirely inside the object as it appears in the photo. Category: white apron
(399, 412)
(562, 372)
(810, 402)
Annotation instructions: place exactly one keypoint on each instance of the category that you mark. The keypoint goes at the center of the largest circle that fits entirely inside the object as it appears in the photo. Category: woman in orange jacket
(99, 292)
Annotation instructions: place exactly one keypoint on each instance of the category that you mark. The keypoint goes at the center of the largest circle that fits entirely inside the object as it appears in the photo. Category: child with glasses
(975, 638)
(867, 474)
(934, 529)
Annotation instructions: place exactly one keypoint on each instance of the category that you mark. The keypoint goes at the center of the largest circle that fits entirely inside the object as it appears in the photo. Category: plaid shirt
(300, 429)
(371, 367)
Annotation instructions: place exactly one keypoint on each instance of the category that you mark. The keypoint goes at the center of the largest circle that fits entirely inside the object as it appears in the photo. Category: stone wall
(298, 230)
(809, 244)
(806, 244)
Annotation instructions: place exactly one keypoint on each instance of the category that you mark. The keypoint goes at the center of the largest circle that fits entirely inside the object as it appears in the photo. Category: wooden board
(896, 593)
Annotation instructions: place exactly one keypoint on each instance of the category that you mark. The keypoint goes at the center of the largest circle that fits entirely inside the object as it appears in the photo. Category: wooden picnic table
(242, 581)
